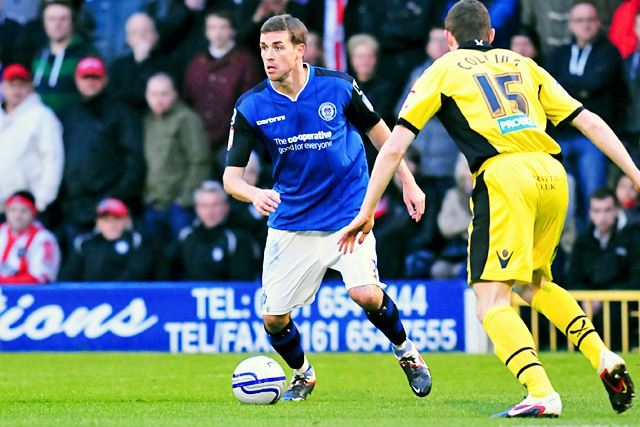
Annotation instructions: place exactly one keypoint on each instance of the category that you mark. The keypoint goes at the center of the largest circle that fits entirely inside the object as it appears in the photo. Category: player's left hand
(361, 225)
(414, 200)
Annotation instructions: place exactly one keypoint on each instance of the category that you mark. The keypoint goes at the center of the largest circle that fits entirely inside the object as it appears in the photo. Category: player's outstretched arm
(264, 200)
(603, 137)
(389, 158)
(414, 198)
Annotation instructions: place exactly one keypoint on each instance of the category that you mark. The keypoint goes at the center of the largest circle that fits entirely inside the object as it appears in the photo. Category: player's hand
(361, 225)
(414, 200)
(266, 201)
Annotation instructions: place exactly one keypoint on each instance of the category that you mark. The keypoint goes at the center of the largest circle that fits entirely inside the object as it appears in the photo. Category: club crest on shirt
(122, 247)
(327, 111)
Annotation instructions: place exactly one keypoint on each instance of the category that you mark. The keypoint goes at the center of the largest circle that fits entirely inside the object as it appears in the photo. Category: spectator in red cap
(31, 151)
(29, 252)
(113, 252)
(103, 148)
(54, 65)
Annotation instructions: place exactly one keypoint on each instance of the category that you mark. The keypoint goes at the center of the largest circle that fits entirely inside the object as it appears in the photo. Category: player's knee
(368, 297)
(275, 323)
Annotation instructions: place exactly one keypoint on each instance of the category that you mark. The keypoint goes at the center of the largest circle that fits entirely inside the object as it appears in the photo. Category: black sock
(387, 319)
(287, 344)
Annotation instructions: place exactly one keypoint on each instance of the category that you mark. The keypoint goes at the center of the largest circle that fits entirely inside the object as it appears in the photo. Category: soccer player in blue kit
(309, 119)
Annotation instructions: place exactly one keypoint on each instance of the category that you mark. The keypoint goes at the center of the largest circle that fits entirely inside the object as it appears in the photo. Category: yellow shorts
(519, 203)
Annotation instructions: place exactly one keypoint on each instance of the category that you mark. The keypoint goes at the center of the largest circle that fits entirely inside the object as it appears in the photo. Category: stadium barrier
(224, 317)
(629, 318)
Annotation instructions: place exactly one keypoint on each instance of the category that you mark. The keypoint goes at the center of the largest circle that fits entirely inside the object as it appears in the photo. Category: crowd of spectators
(115, 119)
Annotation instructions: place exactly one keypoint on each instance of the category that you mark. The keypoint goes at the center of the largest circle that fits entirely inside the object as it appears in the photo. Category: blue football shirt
(319, 164)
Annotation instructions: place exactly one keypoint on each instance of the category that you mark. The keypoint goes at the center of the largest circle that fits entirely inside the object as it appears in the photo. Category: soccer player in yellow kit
(494, 103)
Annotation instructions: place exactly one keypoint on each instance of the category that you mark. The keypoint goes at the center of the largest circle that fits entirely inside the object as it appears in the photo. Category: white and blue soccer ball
(258, 380)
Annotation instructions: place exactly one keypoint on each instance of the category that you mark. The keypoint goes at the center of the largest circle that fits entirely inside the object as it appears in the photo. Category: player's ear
(302, 48)
(492, 35)
(453, 44)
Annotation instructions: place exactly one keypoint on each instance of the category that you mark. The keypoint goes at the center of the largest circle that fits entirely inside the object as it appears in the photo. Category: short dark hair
(603, 193)
(297, 30)
(227, 14)
(468, 20)
(25, 194)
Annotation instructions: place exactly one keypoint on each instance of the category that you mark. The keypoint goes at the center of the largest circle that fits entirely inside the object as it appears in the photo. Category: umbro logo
(504, 258)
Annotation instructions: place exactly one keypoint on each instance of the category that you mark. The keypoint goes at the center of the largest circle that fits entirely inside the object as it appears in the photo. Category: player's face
(279, 55)
(211, 208)
(18, 216)
(111, 227)
(57, 22)
(603, 214)
(584, 22)
(219, 31)
(15, 91)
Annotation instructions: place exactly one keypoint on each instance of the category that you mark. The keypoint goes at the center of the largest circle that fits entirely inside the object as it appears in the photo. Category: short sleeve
(241, 140)
(559, 106)
(423, 101)
(360, 112)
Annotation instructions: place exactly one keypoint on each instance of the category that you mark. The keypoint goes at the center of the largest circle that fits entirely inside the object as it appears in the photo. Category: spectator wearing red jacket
(29, 253)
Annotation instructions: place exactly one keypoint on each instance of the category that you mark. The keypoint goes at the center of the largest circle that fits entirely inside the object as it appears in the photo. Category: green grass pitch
(152, 389)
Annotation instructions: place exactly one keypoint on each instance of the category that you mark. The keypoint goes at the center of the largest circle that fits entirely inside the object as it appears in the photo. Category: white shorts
(295, 263)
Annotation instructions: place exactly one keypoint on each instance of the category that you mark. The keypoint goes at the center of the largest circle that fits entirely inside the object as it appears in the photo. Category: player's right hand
(266, 201)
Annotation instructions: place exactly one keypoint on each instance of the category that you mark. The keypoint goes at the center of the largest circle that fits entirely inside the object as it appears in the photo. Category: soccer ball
(258, 380)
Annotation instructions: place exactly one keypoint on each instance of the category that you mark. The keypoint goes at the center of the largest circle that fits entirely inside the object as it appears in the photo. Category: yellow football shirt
(491, 101)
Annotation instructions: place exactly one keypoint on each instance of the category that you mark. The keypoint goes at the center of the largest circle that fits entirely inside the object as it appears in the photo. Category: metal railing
(606, 297)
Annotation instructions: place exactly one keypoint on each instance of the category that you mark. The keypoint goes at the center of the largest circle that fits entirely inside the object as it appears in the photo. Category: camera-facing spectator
(55, 64)
(526, 42)
(314, 52)
(30, 253)
(216, 79)
(590, 69)
(31, 150)
(129, 74)
(178, 160)
(113, 252)
(210, 250)
(103, 151)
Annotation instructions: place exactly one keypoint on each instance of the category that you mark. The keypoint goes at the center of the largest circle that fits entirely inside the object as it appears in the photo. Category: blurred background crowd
(115, 119)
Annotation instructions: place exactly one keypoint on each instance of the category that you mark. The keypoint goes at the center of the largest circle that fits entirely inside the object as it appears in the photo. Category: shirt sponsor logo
(327, 111)
(270, 120)
(514, 123)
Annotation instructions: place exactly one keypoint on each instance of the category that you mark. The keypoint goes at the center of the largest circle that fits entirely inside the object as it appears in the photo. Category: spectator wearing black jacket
(9, 30)
(210, 250)
(605, 255)
(113, 252)
(103, 151)
(590, 69)
(128, 75)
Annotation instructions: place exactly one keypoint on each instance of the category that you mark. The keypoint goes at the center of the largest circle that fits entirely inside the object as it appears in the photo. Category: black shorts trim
(479, 241)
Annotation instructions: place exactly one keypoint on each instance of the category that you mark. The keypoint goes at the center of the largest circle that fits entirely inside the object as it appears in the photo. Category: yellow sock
(514, 346)
(562, 310)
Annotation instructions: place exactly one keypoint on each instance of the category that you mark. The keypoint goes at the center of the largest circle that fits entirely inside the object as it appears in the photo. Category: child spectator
(30, 253)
